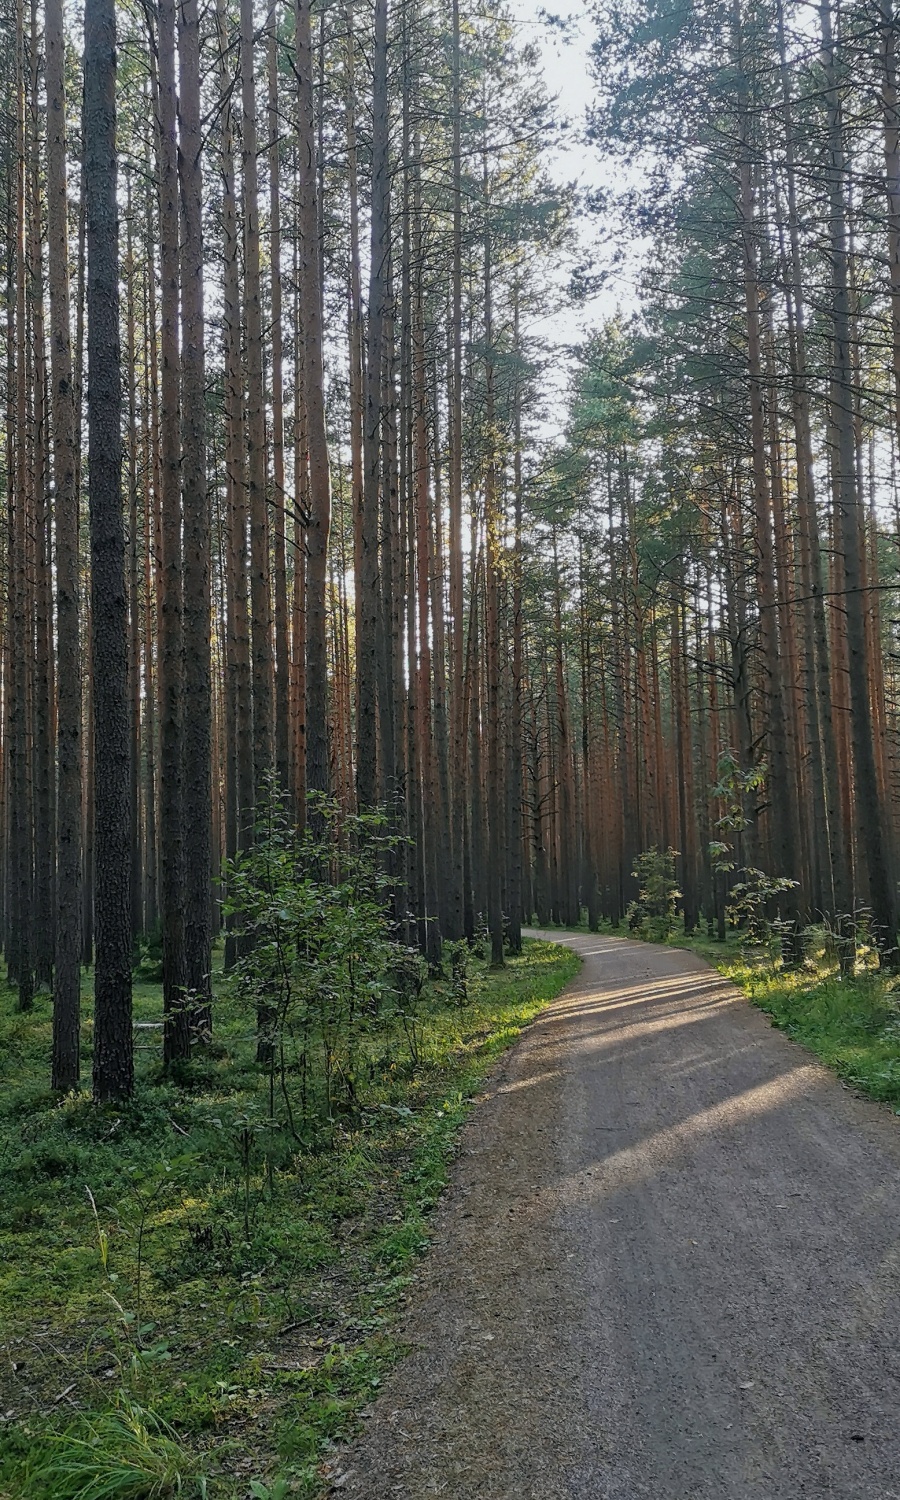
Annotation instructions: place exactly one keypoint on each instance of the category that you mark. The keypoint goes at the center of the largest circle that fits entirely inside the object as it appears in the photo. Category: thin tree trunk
(279, 499)
(42, 726)
(176, 1033)
(134, 578)
(113, 1051)
(197, 718)
(260, 606)
(317, 776)
(455, 488)
(239, 796)
(367, 626)
(65, 1071)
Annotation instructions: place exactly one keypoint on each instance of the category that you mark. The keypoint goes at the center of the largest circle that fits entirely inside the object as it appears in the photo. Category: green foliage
(852, 1022)
(653, 914)
(148, 959)
(231, 1280)
(753, 898)
(127, 1453)
(312, 909)
(733, 787)
(457, 955)
(750, 901)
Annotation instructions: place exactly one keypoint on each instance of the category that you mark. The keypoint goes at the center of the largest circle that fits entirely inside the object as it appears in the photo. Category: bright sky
(566, 69)
(566, 66)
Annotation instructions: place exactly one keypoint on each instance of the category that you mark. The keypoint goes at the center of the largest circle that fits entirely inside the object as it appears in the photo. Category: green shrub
(318, 967)
(653, 914)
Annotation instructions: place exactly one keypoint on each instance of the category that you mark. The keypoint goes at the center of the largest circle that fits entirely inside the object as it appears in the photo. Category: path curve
(667, 1268)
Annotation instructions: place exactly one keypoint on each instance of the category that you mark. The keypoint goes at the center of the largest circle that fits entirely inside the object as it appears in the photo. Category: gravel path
(668, 1266)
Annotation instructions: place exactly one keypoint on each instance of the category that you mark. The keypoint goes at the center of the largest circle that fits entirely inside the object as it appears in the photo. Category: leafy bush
(653, 914)
(458, 954)
(317, 961)
(754, 898)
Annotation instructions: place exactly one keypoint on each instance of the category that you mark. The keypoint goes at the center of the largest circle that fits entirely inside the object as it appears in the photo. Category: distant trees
(351, 565)
(317, 267)
(757, 492)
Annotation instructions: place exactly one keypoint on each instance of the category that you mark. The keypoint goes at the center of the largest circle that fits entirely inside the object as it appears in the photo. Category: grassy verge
(852, 1024)
(189, 1300)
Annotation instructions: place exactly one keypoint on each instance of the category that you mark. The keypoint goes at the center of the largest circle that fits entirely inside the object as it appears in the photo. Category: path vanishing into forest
(668, 1266)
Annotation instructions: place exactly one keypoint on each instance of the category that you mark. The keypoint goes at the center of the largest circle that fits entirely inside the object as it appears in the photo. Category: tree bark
(368, 625)
(317, 770)
(113, 1053)
(260, 605)
(871, 824)
(176, 1033)
(65, 1072)
(197, 719)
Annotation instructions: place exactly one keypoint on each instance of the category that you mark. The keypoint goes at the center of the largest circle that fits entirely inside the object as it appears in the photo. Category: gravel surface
(668, 1266)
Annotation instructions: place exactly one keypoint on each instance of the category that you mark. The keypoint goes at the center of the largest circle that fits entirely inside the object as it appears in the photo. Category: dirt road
(668, 1267)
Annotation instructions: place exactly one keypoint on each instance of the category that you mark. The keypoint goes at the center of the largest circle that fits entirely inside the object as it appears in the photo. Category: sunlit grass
(852, 1023)
(261, 1318)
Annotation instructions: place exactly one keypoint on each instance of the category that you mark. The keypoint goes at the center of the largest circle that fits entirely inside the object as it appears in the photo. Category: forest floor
(666, 1267)
(186, 1295)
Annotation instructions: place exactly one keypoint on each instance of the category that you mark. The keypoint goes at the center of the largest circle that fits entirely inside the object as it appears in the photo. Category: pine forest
(449, 499)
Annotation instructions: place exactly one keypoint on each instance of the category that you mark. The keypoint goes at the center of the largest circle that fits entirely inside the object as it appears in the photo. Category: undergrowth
(193, 1302)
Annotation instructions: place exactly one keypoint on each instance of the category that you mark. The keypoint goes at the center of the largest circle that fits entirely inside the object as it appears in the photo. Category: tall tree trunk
(367, 626)
(134, 575)
(42, 736)
(260, 605)
(151, 506)
(298, 599)
(238, 670)
(113, 1050)
(21, 970)
(514, 764)
(279, 498)
(355, 338)
(66, 1066)
(176, 1032)
(495, 799)
(197, 730)
(319, 471)
(785, 838)
(871, 824)
(421, 499)
(833, 878)
(454, 499)
(890, 108)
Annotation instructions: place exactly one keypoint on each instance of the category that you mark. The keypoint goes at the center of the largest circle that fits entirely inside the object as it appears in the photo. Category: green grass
(208, 1322)
(852, 1023)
